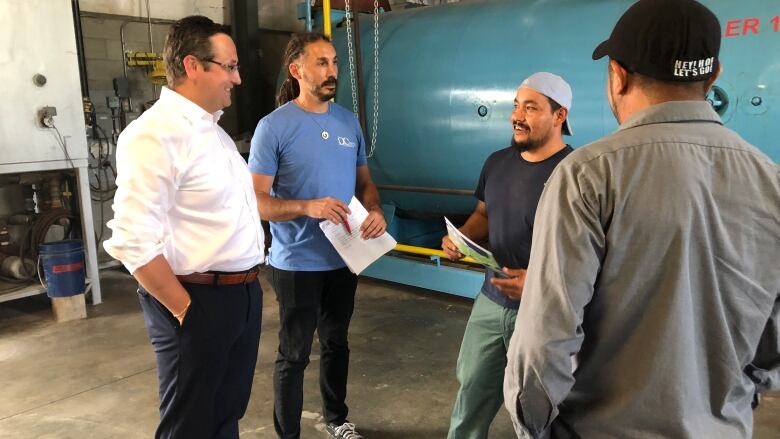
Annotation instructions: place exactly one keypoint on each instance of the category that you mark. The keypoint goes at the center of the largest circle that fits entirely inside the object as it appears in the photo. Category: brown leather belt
(215, 278)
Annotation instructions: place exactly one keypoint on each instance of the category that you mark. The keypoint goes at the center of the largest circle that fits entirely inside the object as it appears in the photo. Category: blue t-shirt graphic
(288, 145)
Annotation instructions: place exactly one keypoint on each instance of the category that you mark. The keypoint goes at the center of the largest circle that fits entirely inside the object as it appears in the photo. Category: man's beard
(326, 95)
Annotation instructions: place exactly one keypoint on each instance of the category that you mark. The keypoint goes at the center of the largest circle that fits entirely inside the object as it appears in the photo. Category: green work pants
(480, 369)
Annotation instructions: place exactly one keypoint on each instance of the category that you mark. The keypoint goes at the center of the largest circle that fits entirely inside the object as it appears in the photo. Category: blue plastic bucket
(63, 267)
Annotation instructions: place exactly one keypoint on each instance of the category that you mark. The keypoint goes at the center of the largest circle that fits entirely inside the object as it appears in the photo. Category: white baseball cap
(555, 88)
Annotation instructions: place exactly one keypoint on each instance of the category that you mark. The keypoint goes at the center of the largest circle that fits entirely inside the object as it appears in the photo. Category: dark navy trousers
(205, 366)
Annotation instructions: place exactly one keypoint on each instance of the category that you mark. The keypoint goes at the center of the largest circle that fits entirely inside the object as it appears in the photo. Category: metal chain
(351, 56)
(376, 79)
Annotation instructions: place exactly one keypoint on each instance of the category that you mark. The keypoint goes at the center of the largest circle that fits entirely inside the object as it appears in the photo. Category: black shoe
(344, 431)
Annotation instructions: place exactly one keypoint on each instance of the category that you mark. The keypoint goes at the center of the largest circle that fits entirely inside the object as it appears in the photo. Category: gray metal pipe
(80, 48)
(427, 190)
(151, 45)
(308, 15)
(149, 22)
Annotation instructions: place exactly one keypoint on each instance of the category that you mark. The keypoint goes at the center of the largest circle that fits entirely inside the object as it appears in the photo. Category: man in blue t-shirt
(508, 191)
(307, 161)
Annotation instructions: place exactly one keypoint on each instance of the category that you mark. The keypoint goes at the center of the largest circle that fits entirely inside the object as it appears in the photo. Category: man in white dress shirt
(186, 226)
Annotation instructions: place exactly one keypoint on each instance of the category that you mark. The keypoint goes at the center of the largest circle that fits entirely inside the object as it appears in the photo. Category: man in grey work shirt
(654, 258)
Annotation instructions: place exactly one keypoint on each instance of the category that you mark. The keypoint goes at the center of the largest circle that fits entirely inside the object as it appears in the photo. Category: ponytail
(288, 91)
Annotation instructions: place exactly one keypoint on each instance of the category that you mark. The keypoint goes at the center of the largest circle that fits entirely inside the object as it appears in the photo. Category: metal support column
(245, 22)
(88, 229)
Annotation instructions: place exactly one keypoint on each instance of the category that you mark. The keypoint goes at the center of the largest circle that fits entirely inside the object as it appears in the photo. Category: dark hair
(693, 90)
(290, 87)
(554, 106)
(188, 36)
(659, 88)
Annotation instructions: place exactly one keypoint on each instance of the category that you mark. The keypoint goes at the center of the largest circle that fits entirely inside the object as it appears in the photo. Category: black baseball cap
(669, 40)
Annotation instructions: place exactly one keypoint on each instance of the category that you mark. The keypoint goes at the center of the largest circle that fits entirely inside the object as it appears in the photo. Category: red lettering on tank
(732, 28)
(776, 23)
(750, 24)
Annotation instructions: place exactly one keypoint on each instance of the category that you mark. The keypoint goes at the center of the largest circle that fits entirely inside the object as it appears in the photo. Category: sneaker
(343, 431)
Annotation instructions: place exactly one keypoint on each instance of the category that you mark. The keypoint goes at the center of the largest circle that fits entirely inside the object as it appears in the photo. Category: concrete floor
(96, 378)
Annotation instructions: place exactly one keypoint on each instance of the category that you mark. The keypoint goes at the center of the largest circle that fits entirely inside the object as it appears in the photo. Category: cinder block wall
(103, 53)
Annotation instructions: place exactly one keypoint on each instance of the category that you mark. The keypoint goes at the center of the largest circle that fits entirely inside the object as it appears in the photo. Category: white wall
(273, 14)
(166, 9)
(280, 15)
(35, 39)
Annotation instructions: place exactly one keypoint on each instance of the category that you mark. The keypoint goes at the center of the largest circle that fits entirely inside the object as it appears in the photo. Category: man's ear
(619, 78)
(192, 66)
(295, 70)
(560, 116)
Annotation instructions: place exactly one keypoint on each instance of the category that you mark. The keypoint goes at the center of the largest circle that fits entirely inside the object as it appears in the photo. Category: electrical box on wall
(42, 114)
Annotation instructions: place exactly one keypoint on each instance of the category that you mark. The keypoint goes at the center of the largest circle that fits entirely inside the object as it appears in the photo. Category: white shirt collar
(191, 110)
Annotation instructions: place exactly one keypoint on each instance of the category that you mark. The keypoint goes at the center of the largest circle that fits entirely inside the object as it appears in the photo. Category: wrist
(303, 207)
(180, 315)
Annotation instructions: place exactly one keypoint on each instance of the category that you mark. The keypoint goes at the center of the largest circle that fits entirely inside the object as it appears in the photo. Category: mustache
(330, 81)
(517, 124)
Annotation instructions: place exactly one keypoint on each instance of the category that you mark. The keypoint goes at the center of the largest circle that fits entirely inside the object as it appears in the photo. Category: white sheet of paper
(358, 253)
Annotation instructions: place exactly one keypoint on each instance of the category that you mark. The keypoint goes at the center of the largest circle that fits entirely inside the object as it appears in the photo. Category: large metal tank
(448, 76)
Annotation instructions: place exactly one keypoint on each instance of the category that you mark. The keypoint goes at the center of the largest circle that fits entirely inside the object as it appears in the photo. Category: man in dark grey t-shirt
(508, 191)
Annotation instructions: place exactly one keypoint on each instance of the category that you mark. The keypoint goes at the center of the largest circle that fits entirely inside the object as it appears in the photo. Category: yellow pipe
(428, 252)
(326, 17)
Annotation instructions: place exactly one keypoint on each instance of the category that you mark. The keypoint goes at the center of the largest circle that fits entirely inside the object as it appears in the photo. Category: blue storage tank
(448, 76)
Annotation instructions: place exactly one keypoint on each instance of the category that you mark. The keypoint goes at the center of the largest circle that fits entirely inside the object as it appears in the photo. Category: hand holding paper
(470, 248)
(374, 225)
(348, 239)
(327, 208)
(450, 249)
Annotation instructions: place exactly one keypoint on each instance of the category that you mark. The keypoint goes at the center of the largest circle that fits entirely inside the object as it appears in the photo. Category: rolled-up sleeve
(568, 246)
(145, 190)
